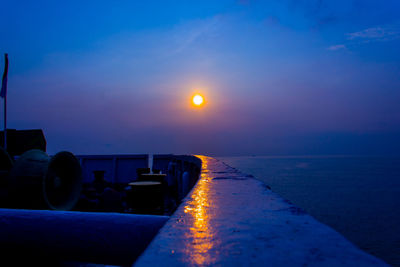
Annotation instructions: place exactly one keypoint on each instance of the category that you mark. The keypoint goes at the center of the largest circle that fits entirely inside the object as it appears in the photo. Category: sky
(280, 77)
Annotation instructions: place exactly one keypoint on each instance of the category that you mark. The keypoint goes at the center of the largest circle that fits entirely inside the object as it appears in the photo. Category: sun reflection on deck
(200, 238)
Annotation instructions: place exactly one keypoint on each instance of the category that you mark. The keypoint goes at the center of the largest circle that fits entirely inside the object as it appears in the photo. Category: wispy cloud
(336, 47)
(190, 34)
(378, 33)
(372, 34)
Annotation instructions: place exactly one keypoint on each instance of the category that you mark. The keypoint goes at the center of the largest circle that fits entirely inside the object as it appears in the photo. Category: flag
(3, 91)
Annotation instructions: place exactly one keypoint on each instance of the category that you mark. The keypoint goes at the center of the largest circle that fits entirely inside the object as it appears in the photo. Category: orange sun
(198, 100)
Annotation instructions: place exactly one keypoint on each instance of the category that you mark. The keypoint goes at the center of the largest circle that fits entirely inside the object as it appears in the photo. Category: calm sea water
(357, 196)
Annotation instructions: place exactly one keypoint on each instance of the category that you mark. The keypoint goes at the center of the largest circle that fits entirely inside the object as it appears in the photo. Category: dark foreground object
(20, 141)
(52, 237)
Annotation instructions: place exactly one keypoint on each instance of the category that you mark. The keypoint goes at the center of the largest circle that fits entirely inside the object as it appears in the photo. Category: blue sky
(279, 77)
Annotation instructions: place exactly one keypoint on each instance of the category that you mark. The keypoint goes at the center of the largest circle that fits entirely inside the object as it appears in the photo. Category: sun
(198, 100)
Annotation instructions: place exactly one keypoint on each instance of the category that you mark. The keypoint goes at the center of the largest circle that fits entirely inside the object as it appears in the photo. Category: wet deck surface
(232, 219)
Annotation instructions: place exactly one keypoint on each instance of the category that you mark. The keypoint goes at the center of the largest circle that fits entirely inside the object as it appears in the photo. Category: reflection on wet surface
(199, 240)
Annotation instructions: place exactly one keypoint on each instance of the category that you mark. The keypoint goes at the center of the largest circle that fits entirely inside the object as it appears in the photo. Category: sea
(358, 196)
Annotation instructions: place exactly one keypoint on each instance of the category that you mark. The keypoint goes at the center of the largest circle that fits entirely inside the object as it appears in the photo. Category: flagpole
(5, 122)
(3, 94)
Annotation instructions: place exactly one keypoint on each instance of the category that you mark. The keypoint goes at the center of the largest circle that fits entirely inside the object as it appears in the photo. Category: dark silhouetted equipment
(19, 141)
(37, 181)
(156, 171)
(6, 162)
(99, 182)
(145, 197)
(140, 171)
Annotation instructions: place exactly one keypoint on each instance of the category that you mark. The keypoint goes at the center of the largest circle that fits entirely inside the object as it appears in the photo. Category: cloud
(189, 34)
(336, 47)
(378, 33)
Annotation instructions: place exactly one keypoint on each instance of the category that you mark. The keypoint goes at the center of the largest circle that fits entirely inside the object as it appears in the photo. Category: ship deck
(233, 219)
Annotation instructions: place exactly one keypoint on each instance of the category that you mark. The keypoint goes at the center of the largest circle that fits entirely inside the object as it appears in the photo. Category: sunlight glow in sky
(278, 77)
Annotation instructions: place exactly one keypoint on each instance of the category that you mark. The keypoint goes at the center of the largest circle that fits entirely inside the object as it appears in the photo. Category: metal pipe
(41, 236)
